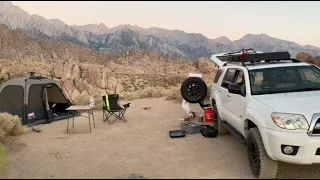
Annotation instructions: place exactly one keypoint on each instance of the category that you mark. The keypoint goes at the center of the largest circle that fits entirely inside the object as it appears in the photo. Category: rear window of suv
(216, 78)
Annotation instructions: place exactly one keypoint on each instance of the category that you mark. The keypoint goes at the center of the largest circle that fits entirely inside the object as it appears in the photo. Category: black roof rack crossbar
(271, 56)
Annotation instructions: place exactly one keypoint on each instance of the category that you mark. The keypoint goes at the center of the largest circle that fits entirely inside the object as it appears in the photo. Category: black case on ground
(176, 133)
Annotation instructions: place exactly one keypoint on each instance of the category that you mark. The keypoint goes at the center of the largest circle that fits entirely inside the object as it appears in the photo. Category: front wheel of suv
(261, 165)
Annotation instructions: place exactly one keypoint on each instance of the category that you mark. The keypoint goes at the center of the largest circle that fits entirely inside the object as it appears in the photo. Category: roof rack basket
(251, 56)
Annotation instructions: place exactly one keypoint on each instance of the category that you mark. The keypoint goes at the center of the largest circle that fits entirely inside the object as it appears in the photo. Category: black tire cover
(194, 90)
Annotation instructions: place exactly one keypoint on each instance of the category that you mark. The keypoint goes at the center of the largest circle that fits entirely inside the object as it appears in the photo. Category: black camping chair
(114, 108)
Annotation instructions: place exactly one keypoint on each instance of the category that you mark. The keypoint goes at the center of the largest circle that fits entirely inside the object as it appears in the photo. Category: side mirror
(235, 89)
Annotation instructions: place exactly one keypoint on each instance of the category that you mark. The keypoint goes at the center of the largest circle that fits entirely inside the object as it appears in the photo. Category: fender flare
(254, 116)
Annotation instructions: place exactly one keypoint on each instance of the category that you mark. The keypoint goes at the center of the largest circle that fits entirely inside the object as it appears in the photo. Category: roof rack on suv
(251, 56)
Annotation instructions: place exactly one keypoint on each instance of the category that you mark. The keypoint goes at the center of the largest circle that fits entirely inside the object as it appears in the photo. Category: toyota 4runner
(269, 102)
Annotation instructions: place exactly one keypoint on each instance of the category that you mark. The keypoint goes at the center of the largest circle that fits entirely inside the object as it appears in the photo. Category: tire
(264, 167)
(193, 90)
(217, 121)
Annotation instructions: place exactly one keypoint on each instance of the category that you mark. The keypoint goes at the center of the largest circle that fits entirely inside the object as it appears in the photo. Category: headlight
(290, 121)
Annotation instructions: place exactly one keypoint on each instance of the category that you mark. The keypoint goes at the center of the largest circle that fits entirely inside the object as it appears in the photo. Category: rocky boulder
(85, 79)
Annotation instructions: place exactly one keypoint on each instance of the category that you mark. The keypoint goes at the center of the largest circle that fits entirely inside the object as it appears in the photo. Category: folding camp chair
(112, 108)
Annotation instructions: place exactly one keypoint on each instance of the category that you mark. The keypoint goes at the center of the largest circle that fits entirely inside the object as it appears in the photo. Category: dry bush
(128, 96)
(10, 124)
(148, 92)
(174, 93)
(174, 80)
(152, 92)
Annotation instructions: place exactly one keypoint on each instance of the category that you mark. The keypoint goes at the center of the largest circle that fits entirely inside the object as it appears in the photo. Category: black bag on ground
(208, 131)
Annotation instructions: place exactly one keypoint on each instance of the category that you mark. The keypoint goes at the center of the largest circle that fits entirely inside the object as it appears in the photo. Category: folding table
(78, 110)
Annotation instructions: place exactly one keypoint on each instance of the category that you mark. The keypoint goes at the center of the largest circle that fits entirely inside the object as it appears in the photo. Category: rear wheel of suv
(262, 166)
(217, 121)
(193, 90)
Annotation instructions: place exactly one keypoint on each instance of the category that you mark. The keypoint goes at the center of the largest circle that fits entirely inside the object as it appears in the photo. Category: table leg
(68, 122)
(72, 120)
(94, 124)
(89, 121)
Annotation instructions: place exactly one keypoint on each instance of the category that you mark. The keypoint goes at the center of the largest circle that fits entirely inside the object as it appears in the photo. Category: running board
(234, 132)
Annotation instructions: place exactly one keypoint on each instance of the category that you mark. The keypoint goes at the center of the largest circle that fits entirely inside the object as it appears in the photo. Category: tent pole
(25, 103)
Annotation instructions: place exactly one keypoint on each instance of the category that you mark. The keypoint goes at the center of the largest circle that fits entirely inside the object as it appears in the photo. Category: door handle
(219, 91)
(229, 96)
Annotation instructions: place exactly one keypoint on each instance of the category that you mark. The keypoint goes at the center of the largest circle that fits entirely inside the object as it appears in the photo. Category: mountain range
(126, 37)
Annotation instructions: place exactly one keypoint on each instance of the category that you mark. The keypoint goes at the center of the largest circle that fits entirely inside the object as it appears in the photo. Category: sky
(297, 21)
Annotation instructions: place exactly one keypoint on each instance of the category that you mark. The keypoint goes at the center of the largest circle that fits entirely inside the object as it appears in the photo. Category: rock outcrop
(86, 79)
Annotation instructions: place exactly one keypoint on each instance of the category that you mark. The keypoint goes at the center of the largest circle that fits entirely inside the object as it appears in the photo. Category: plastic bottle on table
(91, 102)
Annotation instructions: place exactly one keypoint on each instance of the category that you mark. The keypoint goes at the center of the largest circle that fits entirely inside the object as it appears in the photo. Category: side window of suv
(239, 79)
(216, 78)
(228, 78)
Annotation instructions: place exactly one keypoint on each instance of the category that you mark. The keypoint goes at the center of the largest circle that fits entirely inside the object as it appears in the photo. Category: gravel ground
(141, 148)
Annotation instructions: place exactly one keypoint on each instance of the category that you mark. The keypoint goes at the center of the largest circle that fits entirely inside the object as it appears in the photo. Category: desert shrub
(152, 92)
(174, 93)
(11, 125)
(129, 96)
(148, 92)
(174, 80)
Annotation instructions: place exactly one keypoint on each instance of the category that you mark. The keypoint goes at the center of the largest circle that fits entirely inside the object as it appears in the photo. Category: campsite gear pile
(192, 127)
(189, 127)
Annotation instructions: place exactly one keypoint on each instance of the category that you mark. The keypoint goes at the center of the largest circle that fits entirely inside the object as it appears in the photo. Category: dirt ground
(140, 146)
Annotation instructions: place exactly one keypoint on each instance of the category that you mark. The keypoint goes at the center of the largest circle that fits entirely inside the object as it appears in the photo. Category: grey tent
(34, 99)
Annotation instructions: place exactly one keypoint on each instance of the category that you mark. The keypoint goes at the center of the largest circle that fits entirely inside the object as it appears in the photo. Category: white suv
(267, 100)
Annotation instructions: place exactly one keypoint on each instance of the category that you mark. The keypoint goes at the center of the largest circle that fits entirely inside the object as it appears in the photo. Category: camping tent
(34, 99)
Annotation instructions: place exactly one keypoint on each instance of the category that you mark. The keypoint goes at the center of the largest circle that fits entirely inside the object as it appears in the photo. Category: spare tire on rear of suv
(193, 90)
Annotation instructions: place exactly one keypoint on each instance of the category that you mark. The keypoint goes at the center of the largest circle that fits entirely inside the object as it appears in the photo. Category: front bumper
(306, 154)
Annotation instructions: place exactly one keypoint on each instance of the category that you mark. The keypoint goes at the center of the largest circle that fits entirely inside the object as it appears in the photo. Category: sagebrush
(10, 125)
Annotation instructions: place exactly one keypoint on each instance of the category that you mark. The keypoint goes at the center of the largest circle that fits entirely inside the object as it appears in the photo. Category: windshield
(284, 79)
